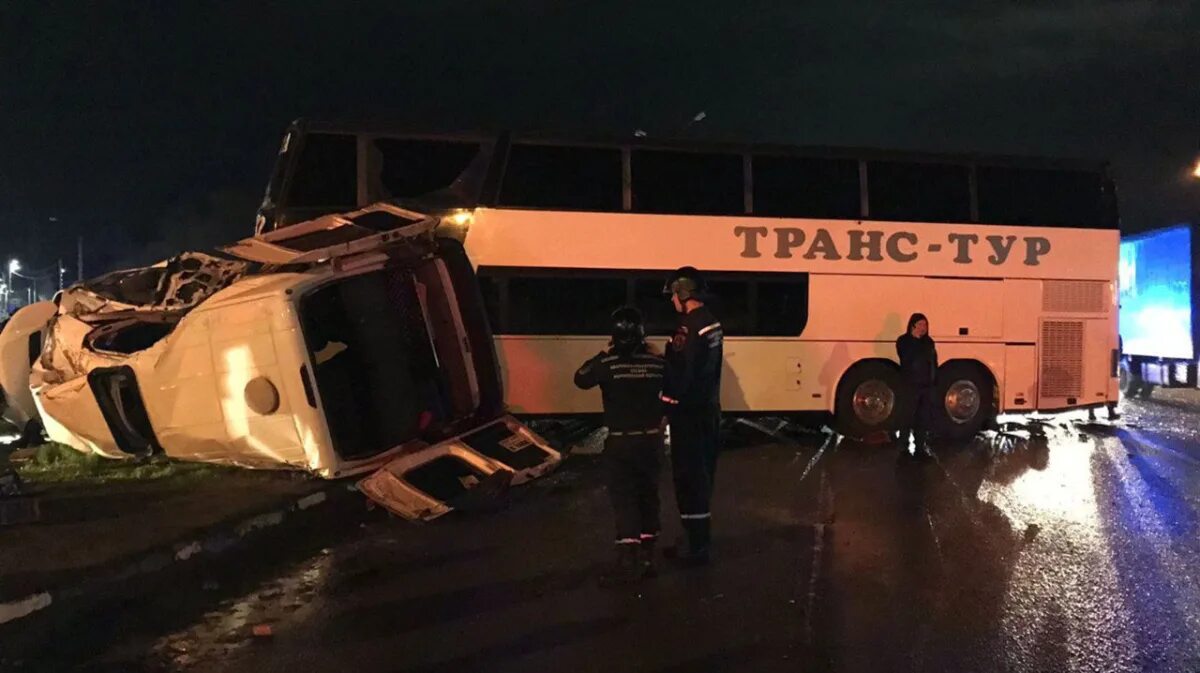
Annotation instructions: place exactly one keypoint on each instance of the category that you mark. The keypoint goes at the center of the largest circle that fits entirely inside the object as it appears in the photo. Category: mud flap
(471, 472)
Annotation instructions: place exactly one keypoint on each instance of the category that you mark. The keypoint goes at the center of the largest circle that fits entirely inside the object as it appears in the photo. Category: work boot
(626, 569)
(646, 557)
(695, 553)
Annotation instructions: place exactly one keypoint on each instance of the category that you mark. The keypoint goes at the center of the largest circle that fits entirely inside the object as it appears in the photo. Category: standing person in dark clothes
(692, 391)
(630, 377)
(918, 367)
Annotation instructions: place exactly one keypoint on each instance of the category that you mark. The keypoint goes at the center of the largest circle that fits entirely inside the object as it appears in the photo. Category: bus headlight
(460, 218)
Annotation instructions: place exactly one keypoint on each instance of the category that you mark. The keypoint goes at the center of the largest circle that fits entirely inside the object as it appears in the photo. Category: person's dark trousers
(632, 464)
(695, 443)
(920, 418)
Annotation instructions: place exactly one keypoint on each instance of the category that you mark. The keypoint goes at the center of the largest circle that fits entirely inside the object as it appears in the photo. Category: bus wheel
(1145, 391)
(868, 400)
(967, 399)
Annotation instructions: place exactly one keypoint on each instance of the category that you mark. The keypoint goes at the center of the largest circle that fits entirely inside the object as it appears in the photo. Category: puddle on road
(232, 625)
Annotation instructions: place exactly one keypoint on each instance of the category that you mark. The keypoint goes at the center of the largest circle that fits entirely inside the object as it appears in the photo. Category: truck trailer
(1158, 318)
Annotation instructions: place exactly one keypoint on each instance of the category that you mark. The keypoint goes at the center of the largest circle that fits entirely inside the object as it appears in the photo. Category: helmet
(685, 282)
(627, 330)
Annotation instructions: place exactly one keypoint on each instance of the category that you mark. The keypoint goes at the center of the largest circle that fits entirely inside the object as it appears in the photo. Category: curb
(206, 544)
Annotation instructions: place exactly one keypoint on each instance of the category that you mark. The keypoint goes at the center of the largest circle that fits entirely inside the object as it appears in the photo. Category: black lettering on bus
(823, 245)
(893, 246)
(1035, 247)
(870, 241)
(786, 239)
(752, 235)
(964, 242)
(1001, 247)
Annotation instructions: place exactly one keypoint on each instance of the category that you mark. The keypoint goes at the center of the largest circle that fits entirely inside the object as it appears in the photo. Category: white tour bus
(815, 257)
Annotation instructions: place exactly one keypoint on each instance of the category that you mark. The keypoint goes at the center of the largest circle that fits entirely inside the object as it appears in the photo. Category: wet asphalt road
(1078, 552)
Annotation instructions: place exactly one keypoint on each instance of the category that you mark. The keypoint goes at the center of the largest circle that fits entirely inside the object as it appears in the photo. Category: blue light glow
(1156, 294)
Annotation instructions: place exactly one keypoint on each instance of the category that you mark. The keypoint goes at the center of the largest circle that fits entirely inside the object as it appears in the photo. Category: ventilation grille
(1074, 296)
(1062, 358)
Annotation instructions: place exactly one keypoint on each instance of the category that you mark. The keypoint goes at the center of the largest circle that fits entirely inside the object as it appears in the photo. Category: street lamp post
(13, 267)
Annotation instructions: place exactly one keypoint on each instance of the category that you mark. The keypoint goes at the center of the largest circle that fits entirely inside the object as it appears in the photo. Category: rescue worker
(692, 392)
(918, 368)
(630, 377)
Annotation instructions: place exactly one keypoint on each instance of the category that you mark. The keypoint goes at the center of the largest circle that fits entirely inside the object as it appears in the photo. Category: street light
(13, 267)
(1196, 169)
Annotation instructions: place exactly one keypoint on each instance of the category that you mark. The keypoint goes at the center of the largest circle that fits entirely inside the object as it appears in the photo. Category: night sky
(153, 129)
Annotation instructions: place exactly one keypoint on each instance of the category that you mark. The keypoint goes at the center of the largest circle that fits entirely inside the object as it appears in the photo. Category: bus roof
(689, 145)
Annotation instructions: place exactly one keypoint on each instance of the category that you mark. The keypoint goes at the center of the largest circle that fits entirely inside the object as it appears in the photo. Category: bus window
(491, 290)
(916, 192)
(413, 167)
(687, 183)
(558, 305)
(805, 187)
(781, 308)
(570, 178)
(658, 314)
(325, 173)
(730, 301)
(1034, 197)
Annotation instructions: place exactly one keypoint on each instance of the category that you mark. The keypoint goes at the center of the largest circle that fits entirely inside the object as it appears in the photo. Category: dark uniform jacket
(694, 360)
(918, 359)
(630, 385)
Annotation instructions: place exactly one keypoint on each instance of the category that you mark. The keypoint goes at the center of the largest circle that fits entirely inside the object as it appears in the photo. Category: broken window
(409, 167)
(326, 172)
(131, 335)
(569, 178)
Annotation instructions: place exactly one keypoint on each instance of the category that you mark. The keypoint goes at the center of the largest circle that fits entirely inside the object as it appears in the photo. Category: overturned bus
(334, 346)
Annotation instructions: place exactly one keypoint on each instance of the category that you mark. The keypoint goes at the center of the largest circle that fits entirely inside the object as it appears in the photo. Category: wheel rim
(962, 401)
(874, 401)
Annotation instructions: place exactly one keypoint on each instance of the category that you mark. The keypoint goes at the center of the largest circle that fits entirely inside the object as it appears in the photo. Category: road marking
(814, 576)
(817, 456)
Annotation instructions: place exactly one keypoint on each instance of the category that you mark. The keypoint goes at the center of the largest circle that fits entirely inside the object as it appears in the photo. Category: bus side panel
(963, 308)
(1018, 388)
(1097, 375)
(760, 375)
(1022, 307)
(862, 308)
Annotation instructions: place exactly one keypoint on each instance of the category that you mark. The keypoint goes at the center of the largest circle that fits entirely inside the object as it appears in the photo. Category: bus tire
(966, 399)
(1145, 391)
(869, 400)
